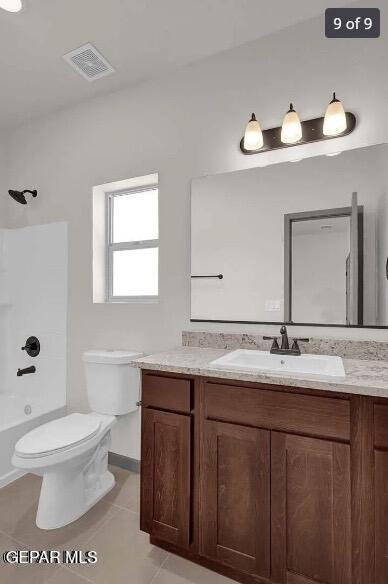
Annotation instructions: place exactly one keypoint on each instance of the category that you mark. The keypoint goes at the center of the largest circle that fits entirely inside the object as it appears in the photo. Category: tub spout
(25, 371)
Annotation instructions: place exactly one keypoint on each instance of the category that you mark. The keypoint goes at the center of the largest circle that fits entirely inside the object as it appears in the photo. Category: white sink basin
(317, 366)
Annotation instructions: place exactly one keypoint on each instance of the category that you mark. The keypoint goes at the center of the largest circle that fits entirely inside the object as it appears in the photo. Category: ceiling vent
(89, 62)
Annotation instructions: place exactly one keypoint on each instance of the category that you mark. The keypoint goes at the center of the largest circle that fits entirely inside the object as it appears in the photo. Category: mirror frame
(291, 218)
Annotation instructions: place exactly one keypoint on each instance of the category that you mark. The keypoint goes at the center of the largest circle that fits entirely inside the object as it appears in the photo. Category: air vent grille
(89, 62)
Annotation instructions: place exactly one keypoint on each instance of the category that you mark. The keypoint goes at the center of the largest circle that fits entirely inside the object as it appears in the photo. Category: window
(132, 244)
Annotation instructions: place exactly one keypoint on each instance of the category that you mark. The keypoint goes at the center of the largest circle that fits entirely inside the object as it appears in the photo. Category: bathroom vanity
(266, 480)
(277, 473)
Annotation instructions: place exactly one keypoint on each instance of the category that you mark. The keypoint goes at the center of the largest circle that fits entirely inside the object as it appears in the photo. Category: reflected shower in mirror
(302, 243)
(318, 268)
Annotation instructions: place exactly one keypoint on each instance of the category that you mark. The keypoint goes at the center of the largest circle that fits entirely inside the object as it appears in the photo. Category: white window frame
(125, 245)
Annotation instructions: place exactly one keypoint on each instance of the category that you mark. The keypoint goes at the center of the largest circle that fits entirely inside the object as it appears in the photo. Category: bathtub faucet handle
(32, 347)
(29, 346)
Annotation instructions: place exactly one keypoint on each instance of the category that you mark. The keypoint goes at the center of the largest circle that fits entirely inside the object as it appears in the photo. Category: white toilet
(71, 453)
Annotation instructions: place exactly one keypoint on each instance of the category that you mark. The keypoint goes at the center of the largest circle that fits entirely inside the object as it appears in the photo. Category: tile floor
(111, 528)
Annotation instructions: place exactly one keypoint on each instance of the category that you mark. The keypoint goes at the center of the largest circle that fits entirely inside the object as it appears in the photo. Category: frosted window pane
(135, 217)
(135, 272)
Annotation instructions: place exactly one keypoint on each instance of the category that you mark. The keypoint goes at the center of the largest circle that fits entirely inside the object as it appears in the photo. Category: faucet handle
(301, 340)
(275, 344)
(295, 345)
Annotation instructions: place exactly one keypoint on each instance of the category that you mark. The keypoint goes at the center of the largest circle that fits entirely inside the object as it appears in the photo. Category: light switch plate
(272, 305)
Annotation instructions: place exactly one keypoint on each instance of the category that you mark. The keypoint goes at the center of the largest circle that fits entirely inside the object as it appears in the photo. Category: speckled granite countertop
(363, 377)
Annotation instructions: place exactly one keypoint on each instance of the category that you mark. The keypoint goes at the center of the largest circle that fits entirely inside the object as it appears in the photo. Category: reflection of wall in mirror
(237, 229)
(319, 271)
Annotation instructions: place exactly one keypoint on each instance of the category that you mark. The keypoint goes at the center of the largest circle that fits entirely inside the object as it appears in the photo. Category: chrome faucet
(284, 349)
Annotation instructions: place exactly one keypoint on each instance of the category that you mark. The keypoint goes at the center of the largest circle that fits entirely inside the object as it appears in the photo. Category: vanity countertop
(363, 377)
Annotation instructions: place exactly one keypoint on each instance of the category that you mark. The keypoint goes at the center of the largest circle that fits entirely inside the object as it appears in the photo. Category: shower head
(19, 196)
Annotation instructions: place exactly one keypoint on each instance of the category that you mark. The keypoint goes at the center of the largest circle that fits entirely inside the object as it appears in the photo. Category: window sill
(133, 300)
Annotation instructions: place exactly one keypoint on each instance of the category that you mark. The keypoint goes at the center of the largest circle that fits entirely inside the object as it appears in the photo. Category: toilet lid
(57, 435)
(111, 357)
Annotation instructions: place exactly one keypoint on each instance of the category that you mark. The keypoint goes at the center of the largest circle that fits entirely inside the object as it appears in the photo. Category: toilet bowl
(71, 453)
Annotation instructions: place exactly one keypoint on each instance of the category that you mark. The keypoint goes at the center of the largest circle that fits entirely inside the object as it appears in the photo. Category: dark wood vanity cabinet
(166, 481)
(381, 517)
(166, 459)
(380, 415)
(310, 510)
(266, 484)
(235, 496)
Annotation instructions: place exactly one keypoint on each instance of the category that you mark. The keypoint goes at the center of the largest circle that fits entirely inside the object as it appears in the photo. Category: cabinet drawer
(381, 425)
(167, 393)
(302, 414)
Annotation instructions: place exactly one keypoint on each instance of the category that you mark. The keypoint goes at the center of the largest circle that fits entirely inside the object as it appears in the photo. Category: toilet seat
(58, 435)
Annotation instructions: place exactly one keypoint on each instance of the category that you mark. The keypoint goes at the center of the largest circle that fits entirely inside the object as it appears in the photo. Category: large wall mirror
(300, 242)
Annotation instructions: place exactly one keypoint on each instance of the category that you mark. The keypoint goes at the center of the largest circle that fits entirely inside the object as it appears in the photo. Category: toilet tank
(112, 385)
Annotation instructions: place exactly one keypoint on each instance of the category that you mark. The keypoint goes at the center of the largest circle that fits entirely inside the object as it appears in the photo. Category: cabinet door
(165, 476)
(310, 511)
(381, 540)
(235, 496)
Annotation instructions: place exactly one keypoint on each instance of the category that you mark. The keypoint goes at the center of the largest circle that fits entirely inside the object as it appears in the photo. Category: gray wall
(3, 182)
(319, 275)
(182, 126)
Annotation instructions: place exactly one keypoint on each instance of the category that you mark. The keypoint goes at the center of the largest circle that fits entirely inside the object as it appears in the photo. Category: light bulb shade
(253, 137)
(291, 127)
(11, 5)
(334, 122)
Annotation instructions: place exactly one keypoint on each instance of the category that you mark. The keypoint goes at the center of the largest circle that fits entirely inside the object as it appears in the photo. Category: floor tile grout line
(89, 539)
(160, 568)
(115, 506)
(15, 539)
(101, 526)
(72, 569)
(81, 576)
(136, 512)
(82, 543)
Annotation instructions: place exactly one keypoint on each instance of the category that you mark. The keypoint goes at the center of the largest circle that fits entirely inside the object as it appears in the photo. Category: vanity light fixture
(11, 5)
(336, 122)
(253, 137)
(291, 127)
(335, 118)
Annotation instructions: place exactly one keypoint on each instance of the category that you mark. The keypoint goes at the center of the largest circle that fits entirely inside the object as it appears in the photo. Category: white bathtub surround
(4, 306)
(36, 263)
(71, 454)
(33, 266)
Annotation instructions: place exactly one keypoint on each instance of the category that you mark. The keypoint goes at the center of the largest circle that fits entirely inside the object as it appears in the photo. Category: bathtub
(18, 416)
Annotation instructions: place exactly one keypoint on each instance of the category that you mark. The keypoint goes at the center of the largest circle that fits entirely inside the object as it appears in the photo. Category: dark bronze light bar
(312, 131)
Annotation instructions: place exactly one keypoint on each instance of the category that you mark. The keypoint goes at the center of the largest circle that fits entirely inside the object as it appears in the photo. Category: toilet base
(69, 490)
(47, 518)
